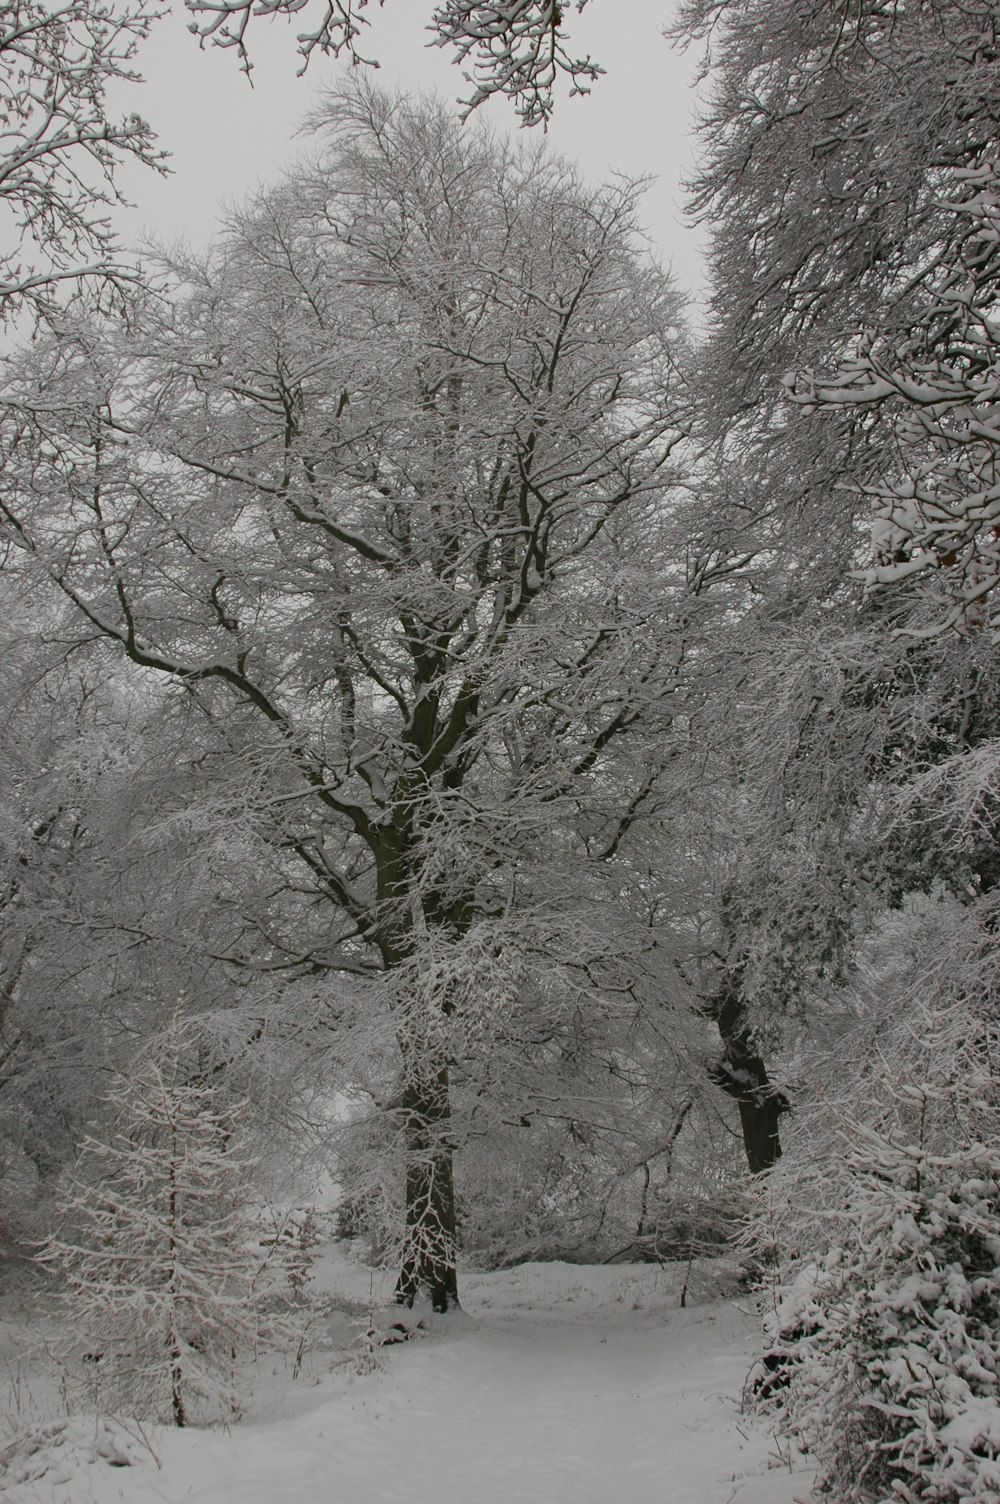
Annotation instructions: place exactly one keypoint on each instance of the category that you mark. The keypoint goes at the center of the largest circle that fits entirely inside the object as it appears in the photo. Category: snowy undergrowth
(562, 1384)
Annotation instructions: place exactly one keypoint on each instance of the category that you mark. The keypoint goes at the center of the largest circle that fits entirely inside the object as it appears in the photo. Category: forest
(476, 735)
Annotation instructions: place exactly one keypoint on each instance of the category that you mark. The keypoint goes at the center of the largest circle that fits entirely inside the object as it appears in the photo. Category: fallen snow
(562, 1384)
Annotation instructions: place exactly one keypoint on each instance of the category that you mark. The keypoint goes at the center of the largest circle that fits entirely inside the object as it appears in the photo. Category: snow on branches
(889, 1345)
(851, 177)
(515, 48)
(60, 148)
(420, 487)
(933, 383)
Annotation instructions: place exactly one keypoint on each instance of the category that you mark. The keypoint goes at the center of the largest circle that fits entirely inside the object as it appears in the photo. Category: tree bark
(429, 1239)
(429, 1242)
(742, 1075)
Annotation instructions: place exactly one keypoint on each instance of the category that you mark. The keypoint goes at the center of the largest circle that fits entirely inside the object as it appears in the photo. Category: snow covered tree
(61, 149)
(121, 891)
(156, 1245)
(813, 728)
(844, 146)
(383, 495)
(68, 751)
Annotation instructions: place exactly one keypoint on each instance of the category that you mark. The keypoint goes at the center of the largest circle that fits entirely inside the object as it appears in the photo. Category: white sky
(227, 138)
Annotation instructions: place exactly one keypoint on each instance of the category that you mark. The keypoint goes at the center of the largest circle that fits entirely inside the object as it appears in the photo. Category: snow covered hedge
(884, 1358)
(886, 1353)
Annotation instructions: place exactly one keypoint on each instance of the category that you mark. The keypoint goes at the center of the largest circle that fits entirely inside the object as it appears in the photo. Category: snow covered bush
(884, 1362)
(887, 1351)
(157, 1249)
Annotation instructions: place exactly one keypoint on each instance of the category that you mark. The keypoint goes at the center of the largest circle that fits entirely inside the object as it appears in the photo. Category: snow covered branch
(514, 48)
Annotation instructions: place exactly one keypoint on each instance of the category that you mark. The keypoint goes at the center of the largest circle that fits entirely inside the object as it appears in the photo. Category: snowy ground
(564, 1384)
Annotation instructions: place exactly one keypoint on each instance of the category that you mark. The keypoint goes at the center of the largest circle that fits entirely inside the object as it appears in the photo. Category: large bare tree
(386, 494)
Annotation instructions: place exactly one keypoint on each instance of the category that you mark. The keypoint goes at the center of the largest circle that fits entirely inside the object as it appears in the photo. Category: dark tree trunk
(428, 1261)
(429, 1239)
(742, 1074)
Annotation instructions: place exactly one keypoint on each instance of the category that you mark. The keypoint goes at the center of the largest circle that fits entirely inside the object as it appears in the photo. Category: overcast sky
(226, 137)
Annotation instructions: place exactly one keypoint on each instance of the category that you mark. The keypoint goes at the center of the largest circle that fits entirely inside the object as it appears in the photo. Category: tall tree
(846, 177)
(381, 496)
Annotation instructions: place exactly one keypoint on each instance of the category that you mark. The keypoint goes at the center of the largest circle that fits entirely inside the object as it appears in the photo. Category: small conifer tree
(157, 1248)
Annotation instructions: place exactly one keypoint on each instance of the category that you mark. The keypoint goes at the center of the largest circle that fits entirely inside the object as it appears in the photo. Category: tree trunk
(429, 1240)
(742, 1074)
(428, 1261)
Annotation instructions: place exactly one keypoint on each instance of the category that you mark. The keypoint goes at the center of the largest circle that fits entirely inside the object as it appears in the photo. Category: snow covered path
(569, 1385)
(523, 1411)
